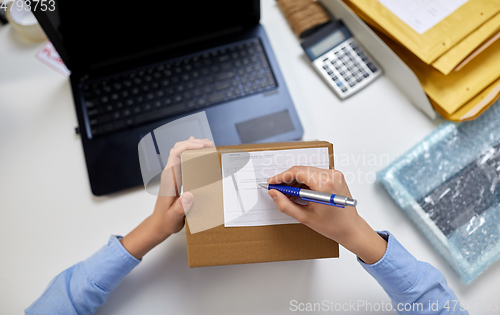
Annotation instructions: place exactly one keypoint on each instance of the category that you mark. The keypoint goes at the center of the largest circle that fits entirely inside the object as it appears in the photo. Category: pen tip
(351, 202)
(265, 186)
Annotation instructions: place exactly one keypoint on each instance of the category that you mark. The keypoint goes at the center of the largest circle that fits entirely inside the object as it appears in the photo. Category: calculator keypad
(347, 68)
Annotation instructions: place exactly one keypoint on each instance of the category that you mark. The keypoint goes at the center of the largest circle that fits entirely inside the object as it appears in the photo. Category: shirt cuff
(397, 270)
(110, 264)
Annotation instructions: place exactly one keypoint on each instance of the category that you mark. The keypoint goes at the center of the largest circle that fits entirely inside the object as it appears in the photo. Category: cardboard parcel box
(209, 243)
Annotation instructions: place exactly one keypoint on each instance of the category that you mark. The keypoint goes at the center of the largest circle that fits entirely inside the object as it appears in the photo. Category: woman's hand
(170, 209)
(343, 225)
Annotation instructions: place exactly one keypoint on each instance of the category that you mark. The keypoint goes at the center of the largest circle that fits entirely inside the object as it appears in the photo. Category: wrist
(351, 231)
(156, 229)
(143, 238)
(365, 243)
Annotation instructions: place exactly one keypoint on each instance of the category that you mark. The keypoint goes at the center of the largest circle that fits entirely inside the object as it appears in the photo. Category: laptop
(136, 66)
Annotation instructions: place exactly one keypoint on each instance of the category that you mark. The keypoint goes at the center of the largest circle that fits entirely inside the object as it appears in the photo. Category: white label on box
(248, 204)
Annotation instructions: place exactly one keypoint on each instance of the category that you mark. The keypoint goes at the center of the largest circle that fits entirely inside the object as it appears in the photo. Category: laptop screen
(97, 34)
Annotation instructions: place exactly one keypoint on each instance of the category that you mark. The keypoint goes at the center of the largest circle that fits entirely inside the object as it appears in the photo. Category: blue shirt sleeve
(82, 288)
(415, 287)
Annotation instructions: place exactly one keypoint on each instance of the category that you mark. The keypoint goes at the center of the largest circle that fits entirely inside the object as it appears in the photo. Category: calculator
(340, 60)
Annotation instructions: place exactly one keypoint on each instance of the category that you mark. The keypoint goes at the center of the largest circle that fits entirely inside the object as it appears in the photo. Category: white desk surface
(49, 219)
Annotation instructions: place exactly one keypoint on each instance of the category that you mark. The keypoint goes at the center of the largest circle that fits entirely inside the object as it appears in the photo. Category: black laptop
(138, 65)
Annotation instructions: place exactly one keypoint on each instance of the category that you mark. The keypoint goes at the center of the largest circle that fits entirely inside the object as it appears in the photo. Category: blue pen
(313, 196)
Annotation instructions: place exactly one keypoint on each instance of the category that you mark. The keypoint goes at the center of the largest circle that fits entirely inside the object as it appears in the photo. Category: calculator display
(327, 43)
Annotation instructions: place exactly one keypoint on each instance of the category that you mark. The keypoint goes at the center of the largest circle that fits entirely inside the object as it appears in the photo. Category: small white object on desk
(49, 56)
(24, 22)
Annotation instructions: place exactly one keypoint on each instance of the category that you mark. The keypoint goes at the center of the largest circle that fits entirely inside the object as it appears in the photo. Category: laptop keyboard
(176, 87)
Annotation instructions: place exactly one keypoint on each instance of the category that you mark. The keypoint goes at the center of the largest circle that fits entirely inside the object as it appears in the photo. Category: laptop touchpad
(264, 127)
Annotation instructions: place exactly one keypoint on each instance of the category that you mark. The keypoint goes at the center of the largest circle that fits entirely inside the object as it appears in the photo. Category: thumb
(288, 207)
(183, 204)
(176, 214)
(187, 199)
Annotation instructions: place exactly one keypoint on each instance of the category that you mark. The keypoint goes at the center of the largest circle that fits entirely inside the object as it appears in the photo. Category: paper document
(422, 15)
(248, 204)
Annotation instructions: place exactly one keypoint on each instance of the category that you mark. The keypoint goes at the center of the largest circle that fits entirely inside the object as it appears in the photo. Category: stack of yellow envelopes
(457, 60)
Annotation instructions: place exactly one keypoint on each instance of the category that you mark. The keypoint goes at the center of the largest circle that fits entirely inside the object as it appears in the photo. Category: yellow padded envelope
(439, 39)
(475, 107)
(453, 57)
(451, 92)
(449, 60)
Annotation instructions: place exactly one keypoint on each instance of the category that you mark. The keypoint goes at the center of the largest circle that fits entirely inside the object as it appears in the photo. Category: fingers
(169, 184)
(324, 180)
(191, 139)
(171, 175)
(183, 204)
(287, 206)
(187, 199)
(310, 176)
(179, 208)
(191, 144)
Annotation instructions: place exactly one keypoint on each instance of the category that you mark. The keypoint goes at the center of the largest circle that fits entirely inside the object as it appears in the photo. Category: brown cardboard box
(240, 245)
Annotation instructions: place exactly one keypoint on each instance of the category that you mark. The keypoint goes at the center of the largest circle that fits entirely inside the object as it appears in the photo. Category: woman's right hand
(343, 225)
